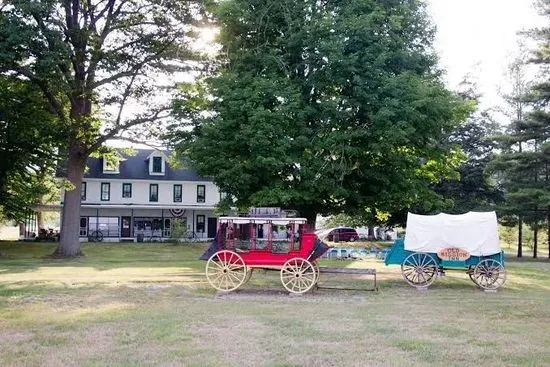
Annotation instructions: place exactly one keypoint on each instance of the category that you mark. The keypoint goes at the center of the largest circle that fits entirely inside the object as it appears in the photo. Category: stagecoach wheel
(226, 271)
(489, 274)
(419, 270)
(298, 275)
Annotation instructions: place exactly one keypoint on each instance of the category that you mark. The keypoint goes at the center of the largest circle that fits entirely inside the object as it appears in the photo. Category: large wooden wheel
(298, 275)
(419, 269)
(489, 274)
(226, 271)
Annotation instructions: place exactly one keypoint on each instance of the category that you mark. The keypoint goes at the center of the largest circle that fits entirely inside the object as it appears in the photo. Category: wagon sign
(453, 254)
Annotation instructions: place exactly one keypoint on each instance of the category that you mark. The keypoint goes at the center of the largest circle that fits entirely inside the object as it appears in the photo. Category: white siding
(140, 192)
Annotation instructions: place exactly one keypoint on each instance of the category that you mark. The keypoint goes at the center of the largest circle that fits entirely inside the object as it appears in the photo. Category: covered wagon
(435, 243)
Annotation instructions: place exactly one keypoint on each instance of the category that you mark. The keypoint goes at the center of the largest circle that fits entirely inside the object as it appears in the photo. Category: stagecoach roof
(476, 232)
(262, 220)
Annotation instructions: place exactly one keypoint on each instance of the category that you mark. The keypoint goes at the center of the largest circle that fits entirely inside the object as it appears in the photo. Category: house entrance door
(212, 227)
(125, 228)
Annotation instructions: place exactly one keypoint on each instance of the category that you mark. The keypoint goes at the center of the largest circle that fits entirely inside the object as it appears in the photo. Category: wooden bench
(356, 271)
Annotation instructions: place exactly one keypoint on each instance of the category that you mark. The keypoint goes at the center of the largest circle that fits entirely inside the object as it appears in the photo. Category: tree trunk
(310, 215)
(535, 240)
(40, 219)
(69, 244)
(520, 236)
(370, 233)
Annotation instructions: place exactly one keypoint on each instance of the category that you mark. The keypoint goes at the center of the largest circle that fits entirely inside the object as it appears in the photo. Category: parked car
(342, 234)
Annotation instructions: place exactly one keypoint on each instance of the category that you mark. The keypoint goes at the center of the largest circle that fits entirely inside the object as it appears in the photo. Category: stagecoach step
(354, 271)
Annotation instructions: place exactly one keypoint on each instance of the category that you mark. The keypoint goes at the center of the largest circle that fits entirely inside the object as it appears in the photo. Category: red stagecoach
(243, 244)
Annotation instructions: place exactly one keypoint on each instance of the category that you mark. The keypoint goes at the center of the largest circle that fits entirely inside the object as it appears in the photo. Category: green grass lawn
(149, 305)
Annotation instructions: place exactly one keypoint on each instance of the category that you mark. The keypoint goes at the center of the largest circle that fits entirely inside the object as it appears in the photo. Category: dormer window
(157, 163)
(110, 165)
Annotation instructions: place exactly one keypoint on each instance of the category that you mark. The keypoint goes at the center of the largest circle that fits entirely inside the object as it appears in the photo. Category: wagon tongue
(319, 249)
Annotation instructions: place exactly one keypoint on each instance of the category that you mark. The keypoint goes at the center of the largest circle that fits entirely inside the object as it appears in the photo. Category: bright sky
(480, 37)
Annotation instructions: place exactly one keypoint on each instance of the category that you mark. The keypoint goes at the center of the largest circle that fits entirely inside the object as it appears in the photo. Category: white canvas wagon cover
(476, 232)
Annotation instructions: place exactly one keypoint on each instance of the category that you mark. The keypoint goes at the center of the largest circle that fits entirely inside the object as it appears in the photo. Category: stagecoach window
(201, 196)
(109, 226)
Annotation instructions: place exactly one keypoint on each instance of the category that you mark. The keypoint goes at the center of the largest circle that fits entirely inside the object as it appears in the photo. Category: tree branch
(134, 122)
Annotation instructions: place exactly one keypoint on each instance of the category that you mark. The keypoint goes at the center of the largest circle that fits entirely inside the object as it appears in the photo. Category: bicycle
(191, 235)
(96, 236)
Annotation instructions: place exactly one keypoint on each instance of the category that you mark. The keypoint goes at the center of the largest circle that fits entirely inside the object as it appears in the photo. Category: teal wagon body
(397, 255)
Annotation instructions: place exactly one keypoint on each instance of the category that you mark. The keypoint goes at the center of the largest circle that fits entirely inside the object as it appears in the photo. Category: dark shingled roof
(136, 167)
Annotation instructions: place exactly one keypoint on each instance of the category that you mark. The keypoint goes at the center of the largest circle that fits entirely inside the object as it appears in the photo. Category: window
(200, 194)
(177, 193)
(83, 192)
(110, 165)
(153, 192)
(109, 226)
(200, 223)
(83, 227)
(105, 191)
(126, 190)
(157, 164)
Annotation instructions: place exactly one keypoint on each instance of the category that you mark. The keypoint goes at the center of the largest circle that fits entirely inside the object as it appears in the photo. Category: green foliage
(475, 189)
(323, 107)
(178, 230)
(30, 136)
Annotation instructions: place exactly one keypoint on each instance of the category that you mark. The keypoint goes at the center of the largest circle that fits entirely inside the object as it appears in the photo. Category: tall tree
(30, 135)
(475, 189)
(91, 59)
(522, 161)
(537, 128)
(323, 106)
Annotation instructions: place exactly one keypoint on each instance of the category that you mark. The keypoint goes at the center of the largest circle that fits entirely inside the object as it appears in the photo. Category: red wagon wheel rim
(298, 275)
(226, 271)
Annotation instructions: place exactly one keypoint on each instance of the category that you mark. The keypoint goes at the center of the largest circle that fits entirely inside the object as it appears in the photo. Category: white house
(140, 195)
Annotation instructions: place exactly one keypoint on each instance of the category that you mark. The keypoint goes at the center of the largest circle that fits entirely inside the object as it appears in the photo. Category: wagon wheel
(226, 271)
(419, 270)
(470, 273)
(489, 274)
(298, 275)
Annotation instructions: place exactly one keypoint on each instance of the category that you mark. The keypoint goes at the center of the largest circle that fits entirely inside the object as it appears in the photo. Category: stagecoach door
(125, 228)
(212, 227)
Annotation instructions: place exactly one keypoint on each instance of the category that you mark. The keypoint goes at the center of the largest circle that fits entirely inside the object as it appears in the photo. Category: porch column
(161, 222)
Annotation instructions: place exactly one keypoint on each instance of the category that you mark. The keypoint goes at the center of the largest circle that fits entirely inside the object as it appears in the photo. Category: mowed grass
(149, 305)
